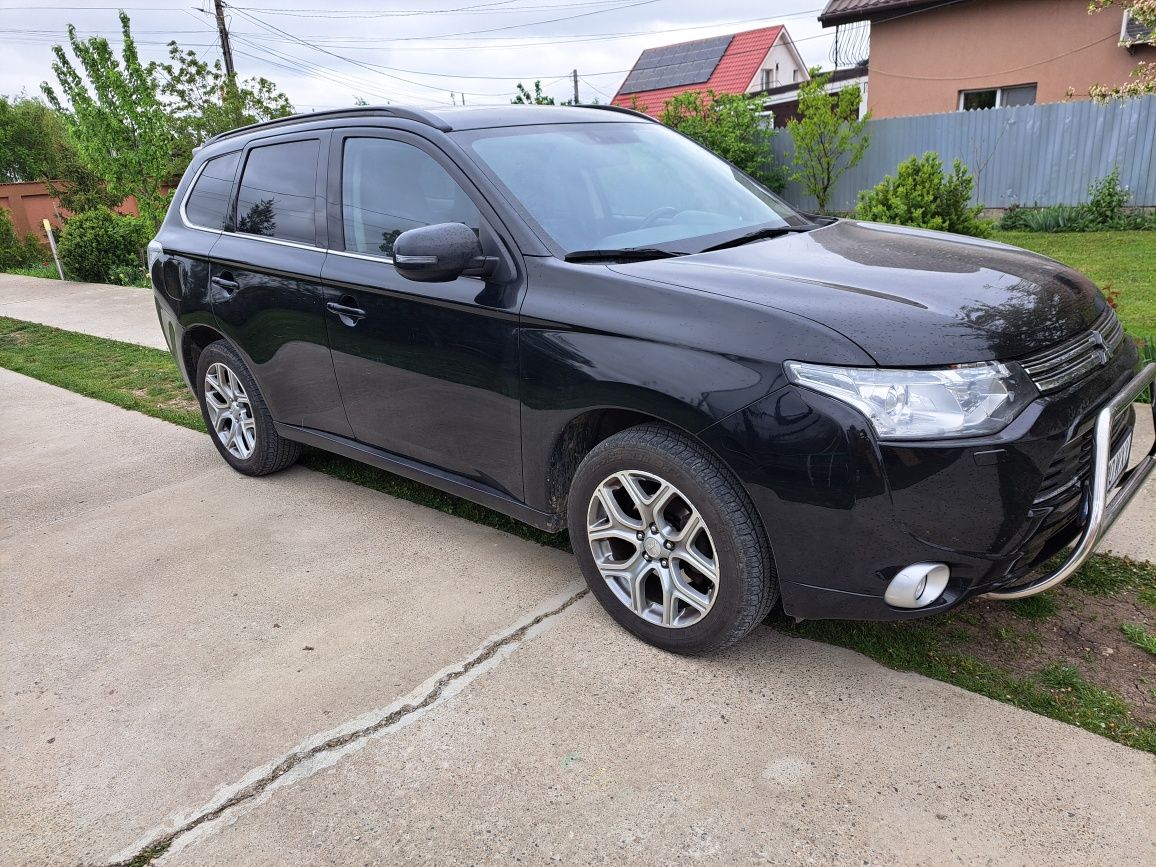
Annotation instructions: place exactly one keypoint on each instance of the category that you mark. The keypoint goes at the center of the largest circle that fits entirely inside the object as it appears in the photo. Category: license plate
(1119, 461)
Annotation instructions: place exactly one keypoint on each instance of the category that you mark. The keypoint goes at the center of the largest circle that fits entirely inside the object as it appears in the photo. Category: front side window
(598, 186)
(278, 192)
(208, 200)
(389, 187)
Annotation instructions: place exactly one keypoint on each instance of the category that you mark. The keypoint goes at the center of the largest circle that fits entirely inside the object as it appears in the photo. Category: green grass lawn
(1044, 654)
(48, 272)
(1123, 263)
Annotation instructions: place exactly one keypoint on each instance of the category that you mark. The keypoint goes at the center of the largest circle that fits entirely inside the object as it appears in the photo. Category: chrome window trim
(185, 199)
(299, 245)
(368, 257)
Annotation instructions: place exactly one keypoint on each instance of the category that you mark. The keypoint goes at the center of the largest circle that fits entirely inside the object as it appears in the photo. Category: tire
(236, 415)
(674, 600)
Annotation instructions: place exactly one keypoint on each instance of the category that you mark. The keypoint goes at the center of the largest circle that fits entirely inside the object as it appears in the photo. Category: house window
(997, 97)
(771, 78)
(1024, 94)
(795, 75)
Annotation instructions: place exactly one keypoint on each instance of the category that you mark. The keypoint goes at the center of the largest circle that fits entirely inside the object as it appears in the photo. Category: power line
(369, 66)
(556, 39)
(596, 89)
(490, 8)
(619, 8)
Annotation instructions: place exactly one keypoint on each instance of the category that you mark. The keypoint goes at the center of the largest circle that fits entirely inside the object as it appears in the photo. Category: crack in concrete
(150, 850)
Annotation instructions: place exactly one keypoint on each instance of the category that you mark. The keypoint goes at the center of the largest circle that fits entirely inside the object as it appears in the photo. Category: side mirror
(440, 253)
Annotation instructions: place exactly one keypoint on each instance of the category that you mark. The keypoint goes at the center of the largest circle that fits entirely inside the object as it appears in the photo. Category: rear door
(428, 371)
(265, 279)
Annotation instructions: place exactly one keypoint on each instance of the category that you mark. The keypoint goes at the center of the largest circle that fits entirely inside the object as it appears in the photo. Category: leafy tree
(524, 97)
(35, 145)
(922, 195)
(829, 136)
(1142, 79)
(118, 122)
(205, 101)
(34, 141)
(78, 188)
(728, 124)
(133, 126)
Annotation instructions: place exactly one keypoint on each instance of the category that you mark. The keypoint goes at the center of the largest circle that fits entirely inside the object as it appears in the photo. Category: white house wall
(781, 54)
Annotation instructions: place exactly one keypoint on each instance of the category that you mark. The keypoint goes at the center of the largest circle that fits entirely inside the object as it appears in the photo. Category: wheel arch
(193, 342)
(578, 437)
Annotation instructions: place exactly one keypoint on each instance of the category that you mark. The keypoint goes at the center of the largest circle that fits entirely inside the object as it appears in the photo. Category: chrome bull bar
(1102, 512)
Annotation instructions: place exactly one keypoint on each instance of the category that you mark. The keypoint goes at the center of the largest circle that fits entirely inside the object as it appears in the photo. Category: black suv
(580, 318)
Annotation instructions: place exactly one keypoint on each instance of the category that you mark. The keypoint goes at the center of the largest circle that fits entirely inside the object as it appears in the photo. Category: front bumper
(846, 513)
(1101, 506)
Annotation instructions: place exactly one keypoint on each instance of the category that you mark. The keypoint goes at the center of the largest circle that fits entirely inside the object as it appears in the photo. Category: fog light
(917, 585)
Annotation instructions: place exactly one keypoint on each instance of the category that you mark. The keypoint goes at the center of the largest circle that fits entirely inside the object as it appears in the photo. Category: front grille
(1074, 359)
(1072, 464)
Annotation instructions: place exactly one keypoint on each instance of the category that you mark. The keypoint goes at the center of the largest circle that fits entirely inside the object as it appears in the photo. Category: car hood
(907, 297)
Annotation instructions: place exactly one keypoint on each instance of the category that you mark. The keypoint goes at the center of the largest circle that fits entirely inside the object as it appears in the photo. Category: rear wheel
(669, 542)
(235, 413)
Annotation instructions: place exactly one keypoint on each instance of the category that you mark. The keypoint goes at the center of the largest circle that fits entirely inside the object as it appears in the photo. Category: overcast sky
(405, 51)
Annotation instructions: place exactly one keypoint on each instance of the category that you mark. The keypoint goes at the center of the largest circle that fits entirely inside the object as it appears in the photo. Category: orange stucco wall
(920, 62)
(30, 204)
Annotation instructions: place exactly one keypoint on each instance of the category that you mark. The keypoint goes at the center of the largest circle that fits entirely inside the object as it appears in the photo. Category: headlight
(964, 400)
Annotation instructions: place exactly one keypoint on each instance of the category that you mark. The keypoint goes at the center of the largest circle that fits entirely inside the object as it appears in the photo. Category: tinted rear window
(208, 201)
(277, 193)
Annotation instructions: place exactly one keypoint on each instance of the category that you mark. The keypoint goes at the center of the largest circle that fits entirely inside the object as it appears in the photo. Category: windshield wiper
(626, 254)
(760, 235)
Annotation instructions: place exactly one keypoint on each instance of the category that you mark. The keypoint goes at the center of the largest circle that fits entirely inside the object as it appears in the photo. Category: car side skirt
(451, 483)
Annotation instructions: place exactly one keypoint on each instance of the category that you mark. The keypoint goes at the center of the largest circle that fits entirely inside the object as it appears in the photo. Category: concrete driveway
(296, 670)
(116, 312)
(299, 670)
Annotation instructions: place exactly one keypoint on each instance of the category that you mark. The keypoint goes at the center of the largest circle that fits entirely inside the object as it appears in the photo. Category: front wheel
(235, 413)
(669, 542)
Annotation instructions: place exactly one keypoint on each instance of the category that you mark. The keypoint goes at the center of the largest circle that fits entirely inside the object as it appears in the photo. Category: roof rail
(415, 114)
(619, 108)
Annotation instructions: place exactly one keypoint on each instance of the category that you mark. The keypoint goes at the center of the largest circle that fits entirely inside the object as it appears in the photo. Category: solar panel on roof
(676, 65)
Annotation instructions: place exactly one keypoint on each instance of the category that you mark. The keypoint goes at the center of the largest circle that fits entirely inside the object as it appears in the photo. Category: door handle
(230, 286)
(348, 314)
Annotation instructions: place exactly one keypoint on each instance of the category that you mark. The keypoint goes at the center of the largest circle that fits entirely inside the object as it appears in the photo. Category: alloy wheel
(653, 549)
(230, 413)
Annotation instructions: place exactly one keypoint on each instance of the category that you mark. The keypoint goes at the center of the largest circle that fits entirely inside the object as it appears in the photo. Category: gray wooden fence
(1036, 154)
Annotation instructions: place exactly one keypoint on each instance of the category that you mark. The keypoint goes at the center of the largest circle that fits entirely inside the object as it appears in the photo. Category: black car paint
(483, 387)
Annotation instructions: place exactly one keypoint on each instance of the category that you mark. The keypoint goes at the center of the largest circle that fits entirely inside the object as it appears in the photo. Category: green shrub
(17, 252)
(1014, 219)
(1104, 211)
(922, 195)
(1106, 200)
(1059, 218)
(103, 247)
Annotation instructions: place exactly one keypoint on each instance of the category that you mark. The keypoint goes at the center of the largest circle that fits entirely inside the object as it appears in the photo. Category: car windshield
(625, 186)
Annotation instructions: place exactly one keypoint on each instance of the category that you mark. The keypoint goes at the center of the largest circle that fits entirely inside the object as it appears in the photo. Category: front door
(265, 281)
(428, 371)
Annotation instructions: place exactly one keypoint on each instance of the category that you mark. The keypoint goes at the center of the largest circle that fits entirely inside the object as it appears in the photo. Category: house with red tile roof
(747, 62)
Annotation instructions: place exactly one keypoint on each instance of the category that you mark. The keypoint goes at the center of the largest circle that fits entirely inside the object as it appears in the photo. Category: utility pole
(226, 49)
(575, 74)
